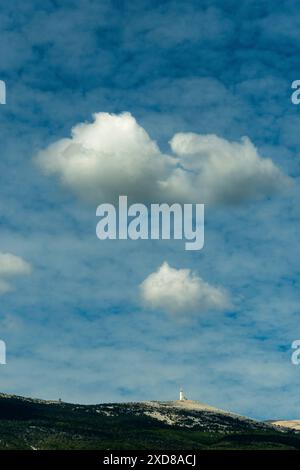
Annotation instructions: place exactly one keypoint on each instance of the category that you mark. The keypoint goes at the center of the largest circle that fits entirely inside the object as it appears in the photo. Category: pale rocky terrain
(186, 414)
(288, 424)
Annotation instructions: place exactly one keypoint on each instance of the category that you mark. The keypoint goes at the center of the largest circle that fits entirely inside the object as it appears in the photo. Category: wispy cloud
(10, 267)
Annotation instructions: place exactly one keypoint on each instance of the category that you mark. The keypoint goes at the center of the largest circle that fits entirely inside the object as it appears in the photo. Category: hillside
(289, 424)
(36, 424)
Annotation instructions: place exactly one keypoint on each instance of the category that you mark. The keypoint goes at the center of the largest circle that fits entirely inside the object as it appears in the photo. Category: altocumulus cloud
(180, 292)
(11, 266)
(114, 155)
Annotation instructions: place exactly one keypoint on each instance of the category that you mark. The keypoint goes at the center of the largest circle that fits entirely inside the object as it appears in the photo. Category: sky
(161, 101)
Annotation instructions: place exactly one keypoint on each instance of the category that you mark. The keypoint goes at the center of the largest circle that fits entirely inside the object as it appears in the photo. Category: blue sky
(75, 327)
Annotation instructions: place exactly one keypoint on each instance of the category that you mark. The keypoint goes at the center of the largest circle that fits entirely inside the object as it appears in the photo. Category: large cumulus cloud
(114, 155)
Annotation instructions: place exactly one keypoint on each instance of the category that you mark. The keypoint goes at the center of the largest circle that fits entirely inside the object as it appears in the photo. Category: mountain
(27, 423)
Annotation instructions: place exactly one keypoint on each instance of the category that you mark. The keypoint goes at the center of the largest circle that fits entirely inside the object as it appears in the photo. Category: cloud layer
(180, 292)
(114, 155)
(11, 266)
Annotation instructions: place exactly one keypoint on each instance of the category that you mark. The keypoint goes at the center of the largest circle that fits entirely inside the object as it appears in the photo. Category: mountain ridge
(29, 423)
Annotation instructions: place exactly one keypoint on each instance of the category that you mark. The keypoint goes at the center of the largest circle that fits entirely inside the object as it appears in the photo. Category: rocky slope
(287, 424)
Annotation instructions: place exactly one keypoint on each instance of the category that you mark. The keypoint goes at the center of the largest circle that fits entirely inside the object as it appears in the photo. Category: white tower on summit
(181, 395)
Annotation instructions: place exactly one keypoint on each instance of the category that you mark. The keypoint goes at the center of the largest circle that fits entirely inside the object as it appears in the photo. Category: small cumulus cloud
(10, 267)
(114, 155)
(181, 292)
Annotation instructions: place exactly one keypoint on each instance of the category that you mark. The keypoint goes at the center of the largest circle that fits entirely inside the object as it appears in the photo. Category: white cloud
(106, 158)
(11, 266)
(113, 155)
(180, 292)
(221, 171)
